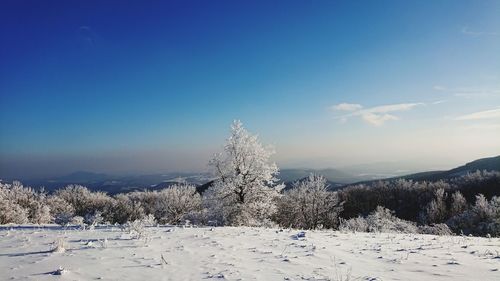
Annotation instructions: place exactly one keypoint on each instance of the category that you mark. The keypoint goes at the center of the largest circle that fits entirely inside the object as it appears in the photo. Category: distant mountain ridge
(289, 175)
(336, 178)
(489, 164)
(117, 184)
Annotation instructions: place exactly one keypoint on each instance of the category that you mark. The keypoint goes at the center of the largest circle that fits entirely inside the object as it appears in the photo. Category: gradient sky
(150, 86)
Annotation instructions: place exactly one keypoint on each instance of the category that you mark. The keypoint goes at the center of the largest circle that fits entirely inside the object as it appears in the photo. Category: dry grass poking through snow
(242, 254)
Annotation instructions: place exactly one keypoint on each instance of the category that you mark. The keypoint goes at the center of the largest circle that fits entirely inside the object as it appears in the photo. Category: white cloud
(438, 101)
(347, 106)
(392, 107)
(467, 31)
(469, 92)
(439, 88)
(377, 115)
(486, 114)
(378, 119)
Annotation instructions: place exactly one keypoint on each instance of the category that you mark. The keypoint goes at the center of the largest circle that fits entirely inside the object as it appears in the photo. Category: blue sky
(146, 87)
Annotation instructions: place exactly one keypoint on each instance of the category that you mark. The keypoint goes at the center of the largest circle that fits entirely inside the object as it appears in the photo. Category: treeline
(246, 191)
(414, 200)
(468, 204)
(400, 206)
(76, 204)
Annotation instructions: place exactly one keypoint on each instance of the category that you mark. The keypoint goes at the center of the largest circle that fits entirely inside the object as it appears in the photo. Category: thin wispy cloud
(486, 114)
(86, 36)
(347, 106)
(377, 115)
(467, 31)
(468, 92)
(438, 102)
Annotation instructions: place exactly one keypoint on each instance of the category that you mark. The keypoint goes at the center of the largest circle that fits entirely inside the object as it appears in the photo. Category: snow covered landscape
(250, 140)
(241, 253)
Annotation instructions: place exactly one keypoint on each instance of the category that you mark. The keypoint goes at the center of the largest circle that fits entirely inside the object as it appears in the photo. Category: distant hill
(333, 175)
(83, 177)
(337, 178)
(489, 164)
(117, 184)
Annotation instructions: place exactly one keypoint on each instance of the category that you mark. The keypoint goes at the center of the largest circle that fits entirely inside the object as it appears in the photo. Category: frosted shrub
(59, 246)
(149, 220)
(61, 211)
(137, 228)
(21, 204)
(481, 219)
(309, 205)
(458, 204)
(93, 219)
(41, 214)
(177, 203)
(245, 189)
(11, 212)
(358, 224)
(77, 220)
(381, 220)
(435, 229)
(148, 201)
(85, 202)
(125, 209)
(435, 212)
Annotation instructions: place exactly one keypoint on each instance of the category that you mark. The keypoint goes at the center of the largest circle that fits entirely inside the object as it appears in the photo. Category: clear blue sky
(147, 86)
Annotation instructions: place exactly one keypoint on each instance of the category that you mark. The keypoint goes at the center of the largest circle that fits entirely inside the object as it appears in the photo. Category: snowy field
(170, 253)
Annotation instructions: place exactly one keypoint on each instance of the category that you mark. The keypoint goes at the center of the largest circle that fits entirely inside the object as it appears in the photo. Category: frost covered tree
(482, 218)
(309, 205)
(458, 204)
(436, 212)
(245, 187)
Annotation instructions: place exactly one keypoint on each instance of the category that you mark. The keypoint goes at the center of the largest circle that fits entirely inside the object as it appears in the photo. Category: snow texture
(241, 253)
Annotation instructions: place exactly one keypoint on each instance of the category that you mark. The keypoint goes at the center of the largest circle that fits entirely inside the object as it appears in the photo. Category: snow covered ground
(242, 253)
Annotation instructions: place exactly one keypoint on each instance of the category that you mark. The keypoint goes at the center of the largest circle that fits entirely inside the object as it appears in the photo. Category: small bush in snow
(435, 229)
(10, 212)
(358, 224)
(137, 228)
(59, 246)
(87, 203)
(177, 203)
(381, 220)
(309, 205)
(20, 204)
(79, 221)
(94, 219)
(60, 210)
(126, 209)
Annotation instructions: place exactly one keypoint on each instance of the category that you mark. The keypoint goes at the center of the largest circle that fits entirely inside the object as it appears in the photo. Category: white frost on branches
(309, 205)
(246, 186)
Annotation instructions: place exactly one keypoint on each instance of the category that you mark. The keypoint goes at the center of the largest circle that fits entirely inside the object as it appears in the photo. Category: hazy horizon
(150, 88)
